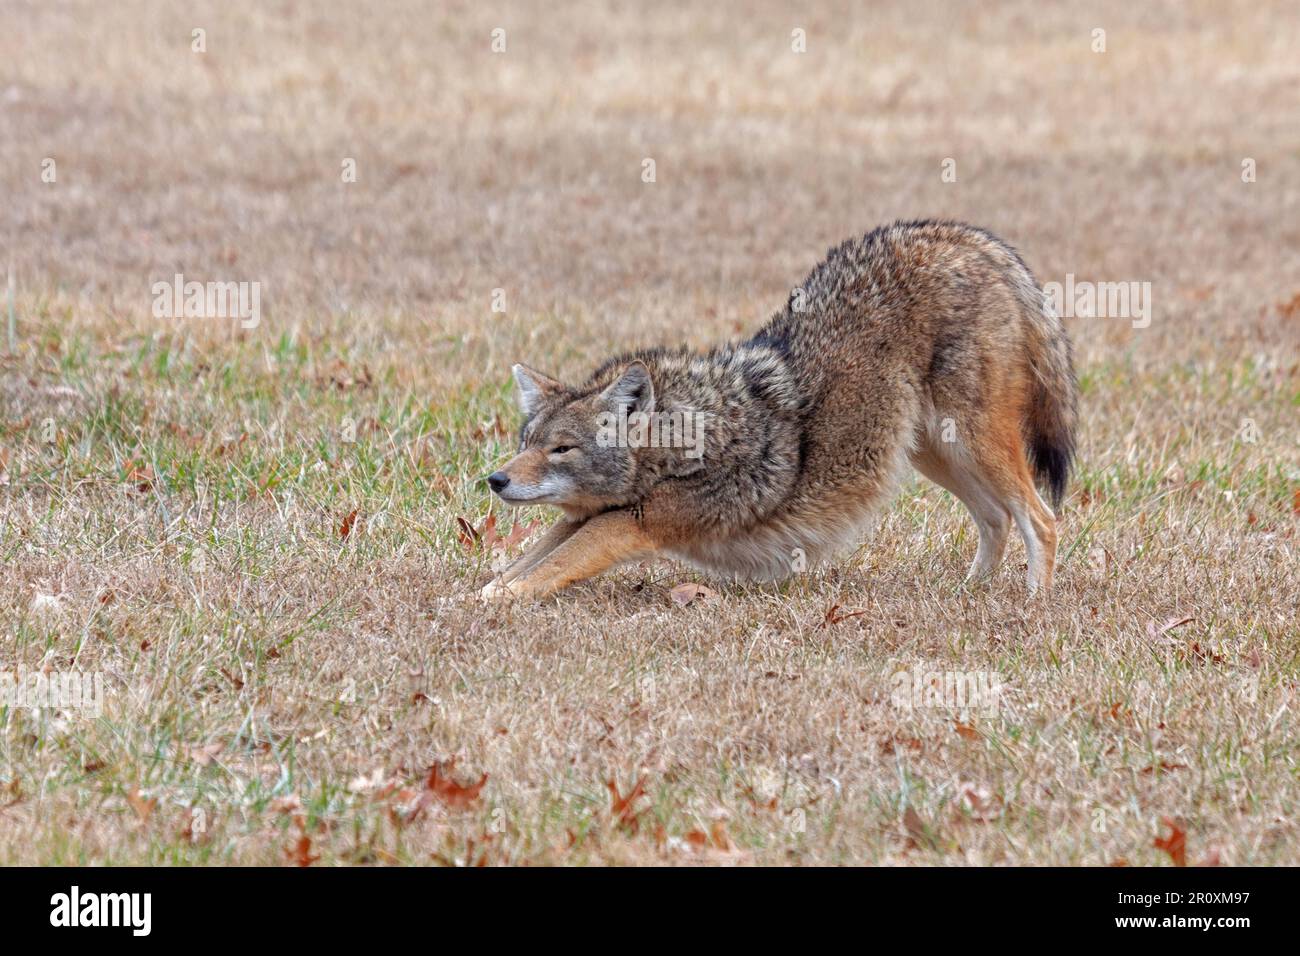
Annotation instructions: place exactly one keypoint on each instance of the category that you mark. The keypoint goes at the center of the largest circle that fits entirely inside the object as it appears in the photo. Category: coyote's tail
(1053, 414)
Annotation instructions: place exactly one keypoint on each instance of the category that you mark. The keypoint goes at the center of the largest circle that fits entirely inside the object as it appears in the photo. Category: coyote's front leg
(591, 547)
(551, 539)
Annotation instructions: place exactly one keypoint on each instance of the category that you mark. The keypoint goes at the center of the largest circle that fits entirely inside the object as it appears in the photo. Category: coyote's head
(571, 452)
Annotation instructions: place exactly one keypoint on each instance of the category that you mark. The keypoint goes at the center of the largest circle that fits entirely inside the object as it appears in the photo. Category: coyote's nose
(498, 480)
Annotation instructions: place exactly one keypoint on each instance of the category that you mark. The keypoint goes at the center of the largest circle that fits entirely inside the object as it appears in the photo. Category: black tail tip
(1051, 461)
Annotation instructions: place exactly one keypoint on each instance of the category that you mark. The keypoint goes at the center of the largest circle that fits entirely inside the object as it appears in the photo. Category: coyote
(927, 343)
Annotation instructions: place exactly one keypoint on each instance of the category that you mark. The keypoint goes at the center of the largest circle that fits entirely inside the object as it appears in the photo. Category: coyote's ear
(632, 390)
(533, 388)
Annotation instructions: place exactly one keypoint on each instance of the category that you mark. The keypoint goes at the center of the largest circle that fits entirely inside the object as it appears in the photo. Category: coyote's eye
(561, 449)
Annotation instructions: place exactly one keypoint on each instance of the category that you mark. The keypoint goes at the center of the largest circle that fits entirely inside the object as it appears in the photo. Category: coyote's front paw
(496, 590)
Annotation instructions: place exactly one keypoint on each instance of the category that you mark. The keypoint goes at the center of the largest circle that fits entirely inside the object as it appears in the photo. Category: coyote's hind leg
(991, 516)
(1037, 525)
(1004, 466)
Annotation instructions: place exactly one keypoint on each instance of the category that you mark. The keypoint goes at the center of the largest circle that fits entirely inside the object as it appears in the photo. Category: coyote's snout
(926, 342)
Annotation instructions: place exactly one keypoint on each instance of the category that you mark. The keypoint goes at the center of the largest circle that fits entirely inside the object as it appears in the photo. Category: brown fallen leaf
(467, 534)
(207, 753)
(234, 444)
(1175, 844)
(299, 854)
(440, 786)
(348, 524)
(716, 838)
(834, 617)
(1202, 655)
(685, 594)
(291, 804)
(981, 805)
(440, 482)
(142, 807)
(495, 427)
(486, 533)
(140, 475)
(891, 745)
(189, 438)
(919, 836)
(339, 376)
(1163, 766)
(490, 539)
(518, 533)
(1290, 308)
(721, 838)
(966, 731)
(1168, 626)
(621, 806)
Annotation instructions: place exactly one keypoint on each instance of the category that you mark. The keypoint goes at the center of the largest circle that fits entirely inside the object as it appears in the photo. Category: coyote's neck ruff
(926, 342)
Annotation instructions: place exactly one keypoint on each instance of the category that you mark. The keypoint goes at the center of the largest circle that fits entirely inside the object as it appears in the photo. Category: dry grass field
(257, 535)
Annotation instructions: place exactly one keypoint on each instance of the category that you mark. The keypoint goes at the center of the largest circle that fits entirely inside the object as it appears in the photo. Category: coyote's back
(921, 342)
(936, 305)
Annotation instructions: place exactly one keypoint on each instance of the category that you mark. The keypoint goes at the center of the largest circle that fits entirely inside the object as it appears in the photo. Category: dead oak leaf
(140, 475)
(919, 834)
(834, 616)
(207, 753)
(1175, 844)
(621, 807)
(467, 534)
(289, 804)
(342, 378)
(142, 806)
(980, 804)
(685, 594)
(1202, 655)
(1169, 625)
(486, 533)
(439, 786)
(716, 838)
(518, 534)
(493, 540)
(1164, 766)
(299, 853)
